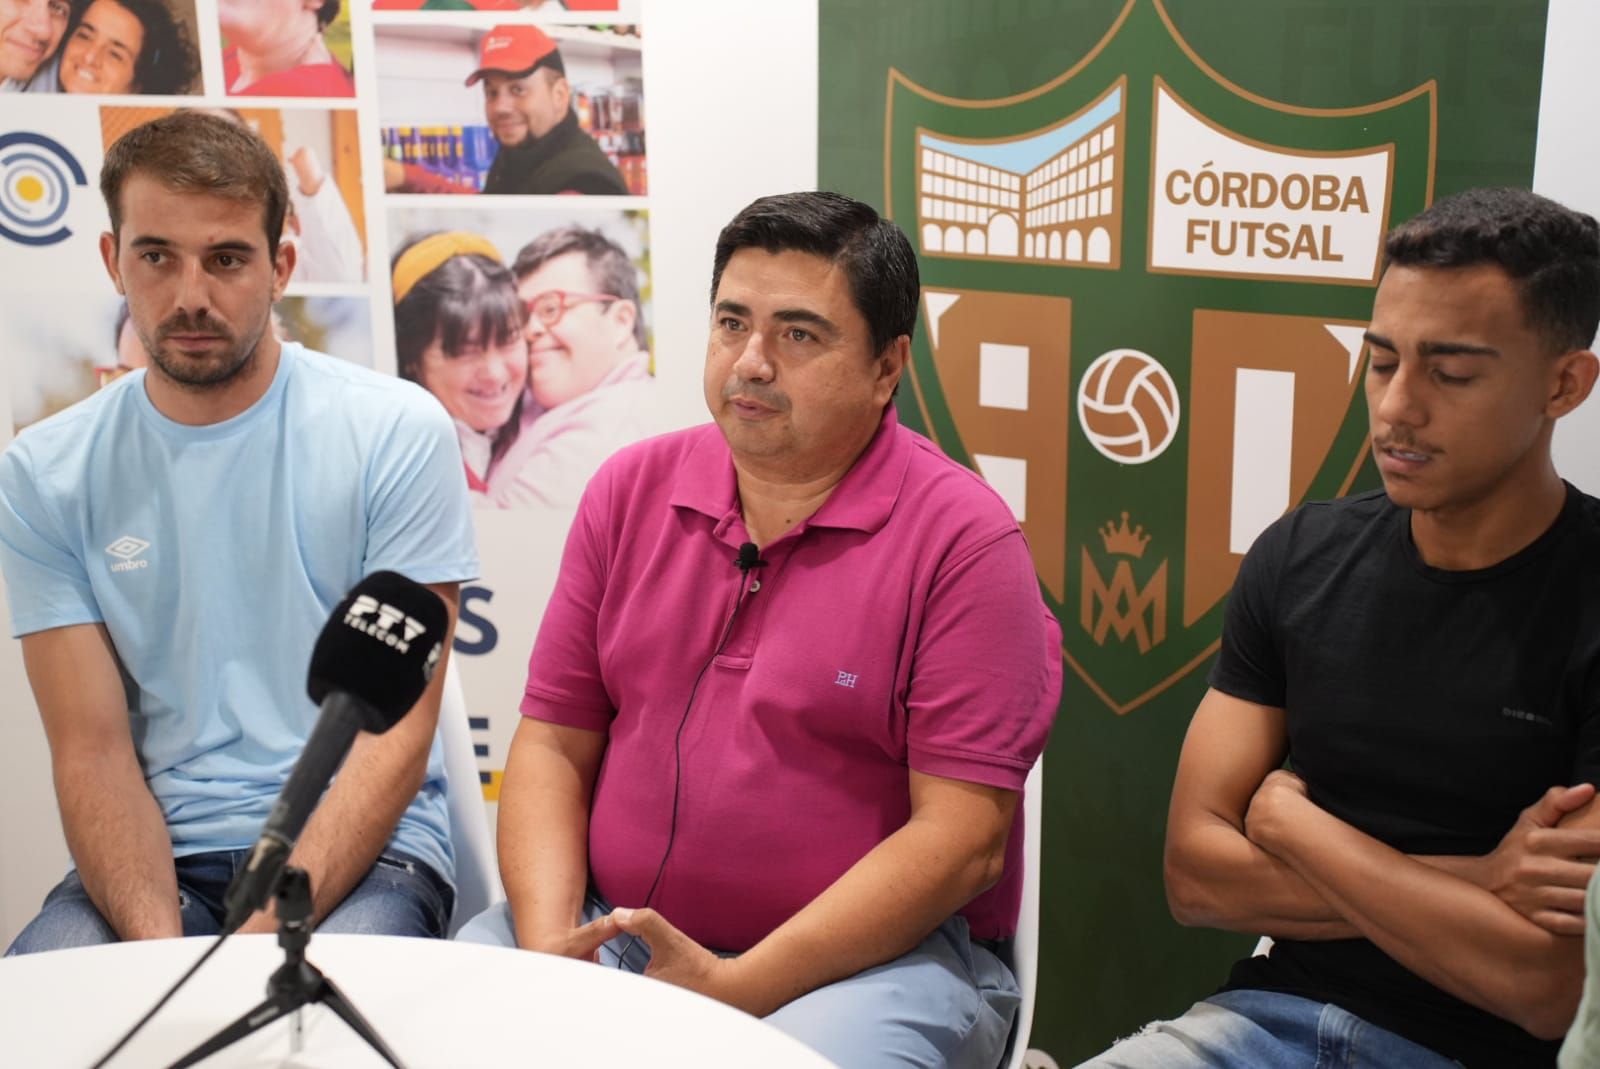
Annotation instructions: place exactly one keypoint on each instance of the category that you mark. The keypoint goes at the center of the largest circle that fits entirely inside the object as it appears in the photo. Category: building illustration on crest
(1054, 195)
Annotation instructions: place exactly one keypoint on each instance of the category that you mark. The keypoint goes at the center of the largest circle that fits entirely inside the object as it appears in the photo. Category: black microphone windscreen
(380, 645)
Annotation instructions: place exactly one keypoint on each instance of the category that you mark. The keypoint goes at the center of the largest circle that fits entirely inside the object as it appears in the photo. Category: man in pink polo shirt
(790, 682)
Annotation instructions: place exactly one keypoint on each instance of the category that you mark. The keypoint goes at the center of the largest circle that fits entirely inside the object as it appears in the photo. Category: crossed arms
(115, 829)
(1247, 850)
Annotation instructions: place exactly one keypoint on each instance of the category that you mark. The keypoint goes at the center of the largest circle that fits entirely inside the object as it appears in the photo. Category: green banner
(1149, 235)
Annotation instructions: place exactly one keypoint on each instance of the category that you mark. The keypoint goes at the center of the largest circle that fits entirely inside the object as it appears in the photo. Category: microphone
(371, 663)
(749, 557)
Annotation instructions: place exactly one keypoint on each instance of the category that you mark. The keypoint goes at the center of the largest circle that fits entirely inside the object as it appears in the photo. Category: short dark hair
(876, 257)
(167, 62)
(467, 297)
(1550, 251)
(327, 13)
(197, 153)
(613, 272)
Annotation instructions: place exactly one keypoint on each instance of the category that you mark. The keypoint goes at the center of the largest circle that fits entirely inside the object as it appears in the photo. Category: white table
(439, 1005)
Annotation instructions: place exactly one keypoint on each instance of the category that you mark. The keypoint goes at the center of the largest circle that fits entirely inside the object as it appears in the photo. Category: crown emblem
(1121, 541)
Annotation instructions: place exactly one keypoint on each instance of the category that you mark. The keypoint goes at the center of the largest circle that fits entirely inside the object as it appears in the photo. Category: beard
(216, 366)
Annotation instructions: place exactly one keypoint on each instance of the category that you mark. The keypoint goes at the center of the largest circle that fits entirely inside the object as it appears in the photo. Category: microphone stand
(295, 984)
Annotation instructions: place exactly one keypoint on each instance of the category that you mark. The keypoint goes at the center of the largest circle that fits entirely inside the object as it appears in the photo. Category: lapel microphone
(749, 557)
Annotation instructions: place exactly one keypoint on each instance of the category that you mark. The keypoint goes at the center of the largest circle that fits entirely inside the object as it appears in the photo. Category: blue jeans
(399, 895)
(947, 1003)
(1266, 1030)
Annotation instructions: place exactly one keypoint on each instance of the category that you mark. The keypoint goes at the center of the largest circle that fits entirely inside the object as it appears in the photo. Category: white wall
(1566, 168)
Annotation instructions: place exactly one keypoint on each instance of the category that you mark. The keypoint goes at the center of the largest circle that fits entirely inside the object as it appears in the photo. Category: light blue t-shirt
(215, 554)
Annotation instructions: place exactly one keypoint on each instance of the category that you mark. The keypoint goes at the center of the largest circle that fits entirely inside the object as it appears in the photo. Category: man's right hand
(1541, 869)
(582, 942)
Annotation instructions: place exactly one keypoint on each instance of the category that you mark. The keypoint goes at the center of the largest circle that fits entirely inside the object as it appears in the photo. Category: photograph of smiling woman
(129, 46)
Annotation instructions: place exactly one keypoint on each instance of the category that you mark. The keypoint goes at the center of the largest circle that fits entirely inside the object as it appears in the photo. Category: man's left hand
(1272, 808)
(679, 960)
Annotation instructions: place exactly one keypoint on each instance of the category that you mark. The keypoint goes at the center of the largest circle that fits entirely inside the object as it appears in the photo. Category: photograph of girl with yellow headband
(541, 357)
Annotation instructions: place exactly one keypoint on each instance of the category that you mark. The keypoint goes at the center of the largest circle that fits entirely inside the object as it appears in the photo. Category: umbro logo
(127, 550)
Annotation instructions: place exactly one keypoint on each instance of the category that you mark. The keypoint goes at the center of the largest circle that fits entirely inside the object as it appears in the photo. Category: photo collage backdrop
(459, 221)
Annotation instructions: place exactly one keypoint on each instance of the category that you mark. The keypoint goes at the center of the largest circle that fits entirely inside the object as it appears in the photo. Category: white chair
(477, 873)
(1025, 946)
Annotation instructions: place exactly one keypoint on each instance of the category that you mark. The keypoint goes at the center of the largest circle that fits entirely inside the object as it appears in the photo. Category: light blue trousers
(948, 1003)
(1266, 1030)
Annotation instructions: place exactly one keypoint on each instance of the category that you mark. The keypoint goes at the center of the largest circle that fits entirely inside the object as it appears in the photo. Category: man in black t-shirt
(1427, 658)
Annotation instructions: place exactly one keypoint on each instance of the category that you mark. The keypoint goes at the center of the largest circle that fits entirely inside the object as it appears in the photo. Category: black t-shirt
(1425, 708)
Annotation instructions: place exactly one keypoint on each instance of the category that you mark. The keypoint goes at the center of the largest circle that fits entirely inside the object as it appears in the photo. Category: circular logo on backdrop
(36, 179)
(1128, 406)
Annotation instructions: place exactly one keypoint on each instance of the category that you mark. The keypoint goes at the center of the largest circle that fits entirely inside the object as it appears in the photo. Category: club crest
(1144, 291)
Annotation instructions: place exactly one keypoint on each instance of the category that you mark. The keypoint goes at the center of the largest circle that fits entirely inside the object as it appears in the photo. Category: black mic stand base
(295, 984)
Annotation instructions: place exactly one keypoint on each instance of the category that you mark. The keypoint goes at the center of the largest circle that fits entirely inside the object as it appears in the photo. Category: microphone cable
(748, 558)
(173, 990)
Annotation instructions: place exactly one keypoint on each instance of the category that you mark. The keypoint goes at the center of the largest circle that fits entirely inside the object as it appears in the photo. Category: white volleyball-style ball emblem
(1128, 406)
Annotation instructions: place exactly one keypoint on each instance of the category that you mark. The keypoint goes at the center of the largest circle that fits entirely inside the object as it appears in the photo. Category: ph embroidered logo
(846, 679)
(127, 550)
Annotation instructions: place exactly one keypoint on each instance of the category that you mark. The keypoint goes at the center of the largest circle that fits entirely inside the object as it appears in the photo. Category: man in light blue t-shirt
(173, 545)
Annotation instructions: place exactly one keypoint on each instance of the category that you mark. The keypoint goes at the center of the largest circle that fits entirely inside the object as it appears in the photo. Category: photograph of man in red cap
(527, 102)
